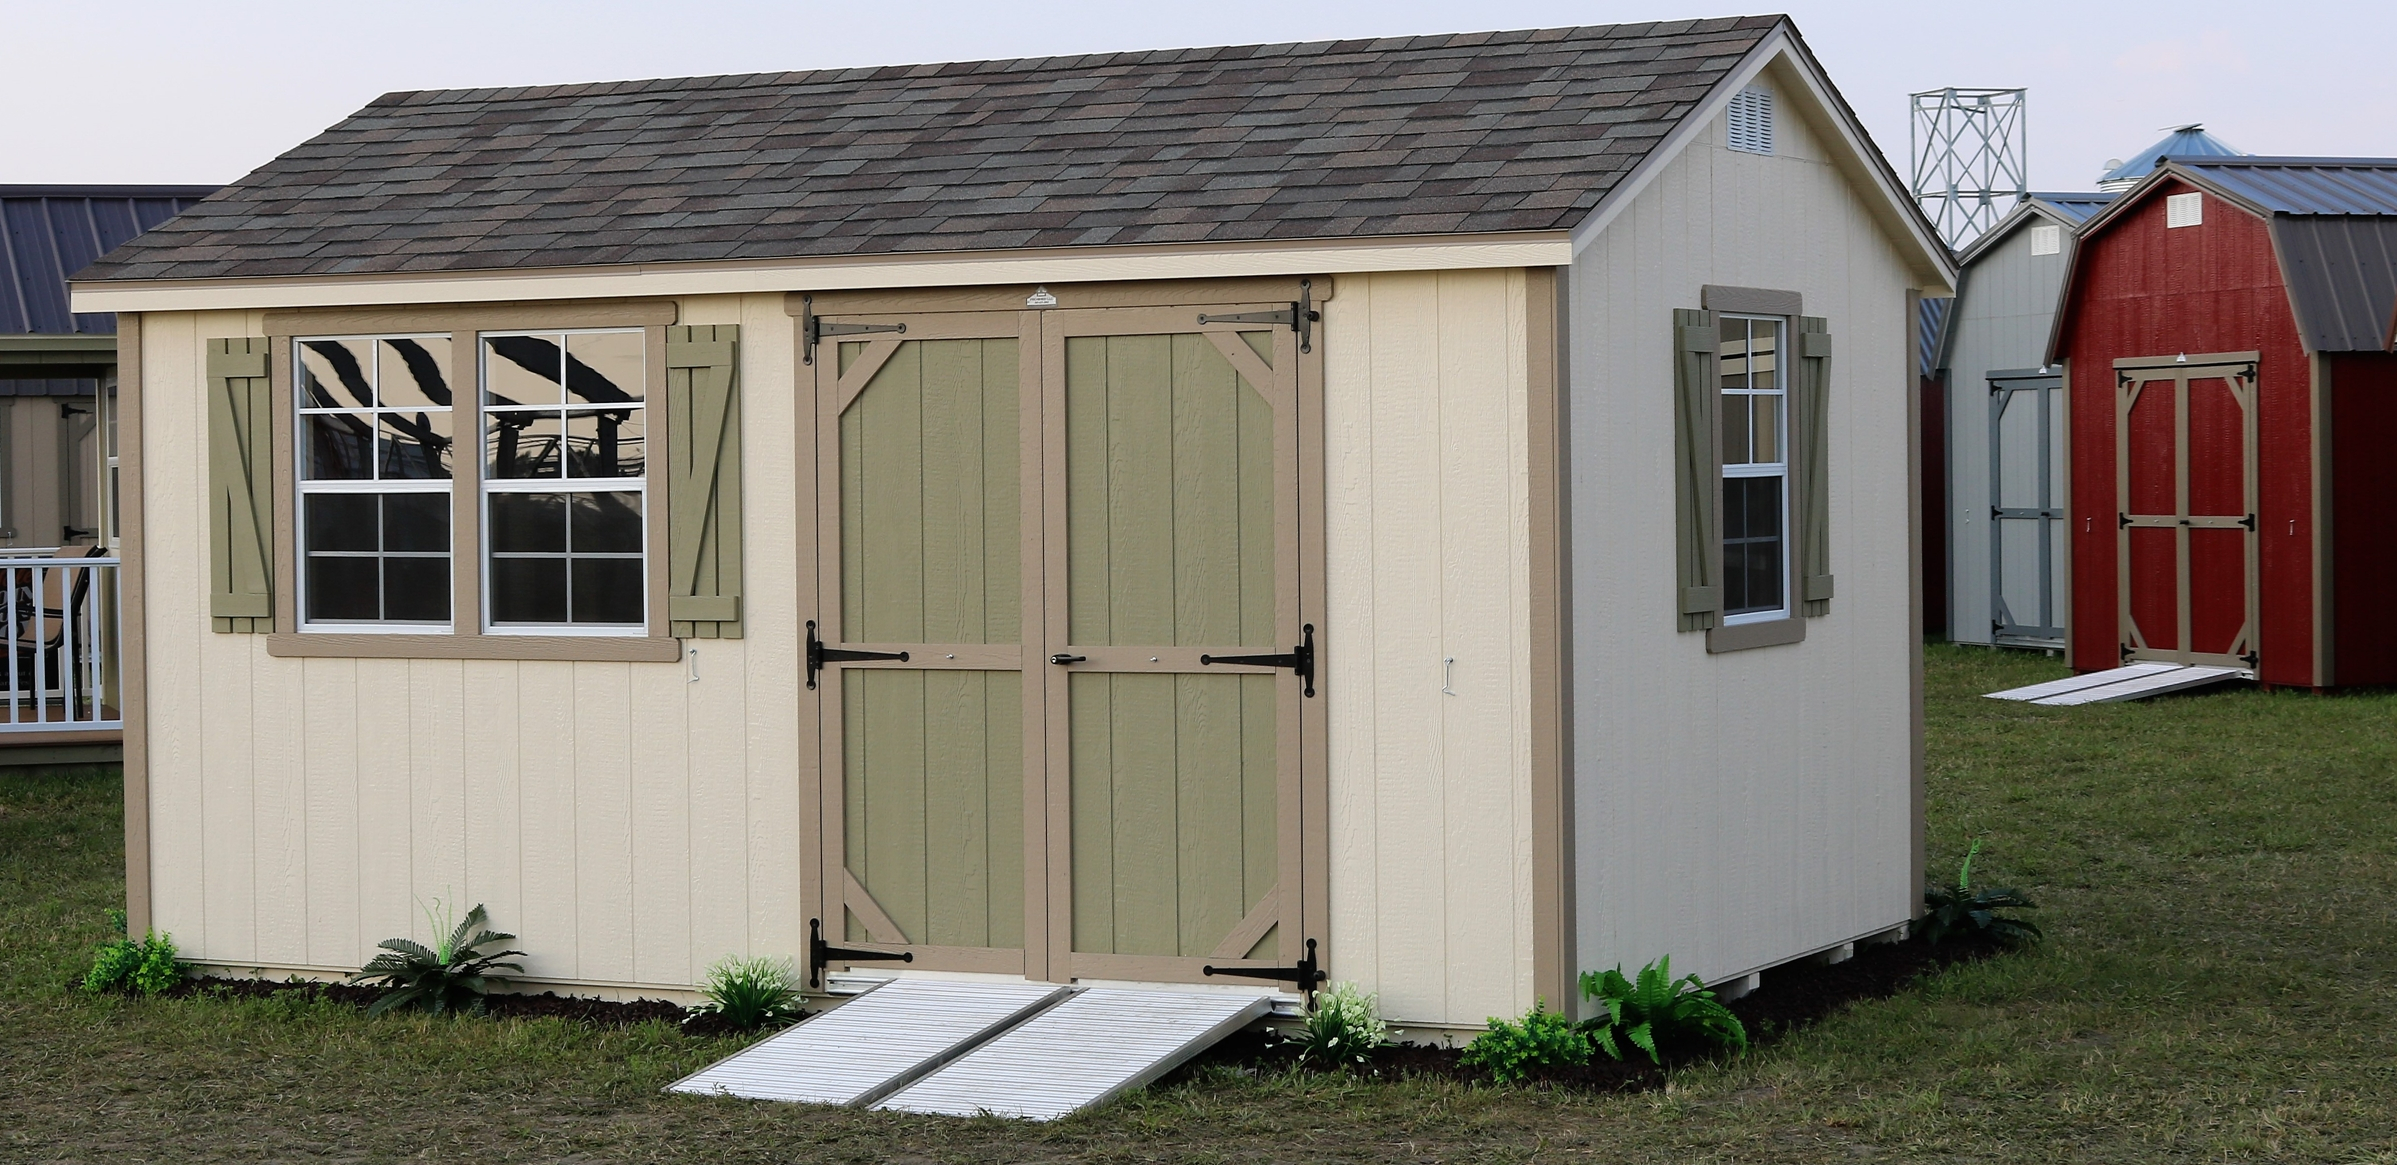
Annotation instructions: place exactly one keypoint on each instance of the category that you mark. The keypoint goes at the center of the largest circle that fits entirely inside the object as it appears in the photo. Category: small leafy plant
(1541, 1039)
(750, 993)
(147, 967)
(455, 974)
(1344, 1028)
(1963, 910)
(1654, 1012)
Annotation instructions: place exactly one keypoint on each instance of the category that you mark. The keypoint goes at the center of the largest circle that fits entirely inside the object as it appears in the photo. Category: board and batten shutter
(241, 510)
(703, 597)
(1699, 593)
(1813, 468)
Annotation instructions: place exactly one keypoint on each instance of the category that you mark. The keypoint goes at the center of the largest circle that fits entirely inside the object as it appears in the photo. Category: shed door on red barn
(2185, 484)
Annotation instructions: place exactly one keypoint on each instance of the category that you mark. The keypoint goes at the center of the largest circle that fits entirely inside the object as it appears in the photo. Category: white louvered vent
(2184, 210)
(2047, 240)
(1750, 121)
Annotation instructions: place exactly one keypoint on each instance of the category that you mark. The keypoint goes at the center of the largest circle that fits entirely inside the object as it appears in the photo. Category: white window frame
(303, 487)
(486, 485)
(1777, 469)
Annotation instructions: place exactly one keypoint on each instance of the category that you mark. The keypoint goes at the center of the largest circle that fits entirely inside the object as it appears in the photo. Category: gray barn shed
(2005, 434)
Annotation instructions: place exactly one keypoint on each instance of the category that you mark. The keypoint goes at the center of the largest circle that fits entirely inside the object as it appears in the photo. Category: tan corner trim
(2326, 658)
(2064, 616)
(1551, 773)
(627, 649)
(1917, 796)
(134, 691)
(951, 269)
(1067, 295)
(472, 317)
(1759, 301)
(1747, 636)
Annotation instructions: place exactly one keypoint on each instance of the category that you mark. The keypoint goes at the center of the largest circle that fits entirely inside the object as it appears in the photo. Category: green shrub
(1542, 1039)
(750, 993)
(1654, 1012)
(147, 967)
(1964, 910)
(453, 975)
(1344, 1027)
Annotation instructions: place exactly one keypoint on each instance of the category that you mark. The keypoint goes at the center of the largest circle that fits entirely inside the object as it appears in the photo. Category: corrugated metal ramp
(965, 1048)
(2133, 682)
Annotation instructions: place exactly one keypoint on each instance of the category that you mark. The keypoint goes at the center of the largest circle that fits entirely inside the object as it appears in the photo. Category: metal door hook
(1447, 666)
(694, 667)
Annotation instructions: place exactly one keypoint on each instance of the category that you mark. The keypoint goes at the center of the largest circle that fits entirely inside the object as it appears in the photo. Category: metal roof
(2077, 207)
(48, 233)
(2303, 185)
(2342, 274)
(2188, 141)
(1470, 133)
(1928, 336)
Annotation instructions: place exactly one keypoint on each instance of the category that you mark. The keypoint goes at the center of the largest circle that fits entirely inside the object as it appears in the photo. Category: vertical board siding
(1736, 810)
(1428, 550)
(629, 825)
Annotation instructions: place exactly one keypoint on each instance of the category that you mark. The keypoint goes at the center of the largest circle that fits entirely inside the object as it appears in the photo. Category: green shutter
(1695, 471)
(1813, 468)
(704, 482)
(240, 487)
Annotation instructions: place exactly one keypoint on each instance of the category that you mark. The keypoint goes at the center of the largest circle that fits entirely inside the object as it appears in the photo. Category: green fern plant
(455, 974)
(750, 993)
(1961, 909)
(1541, 1039)
(1653, 1012)
(1344, 1027)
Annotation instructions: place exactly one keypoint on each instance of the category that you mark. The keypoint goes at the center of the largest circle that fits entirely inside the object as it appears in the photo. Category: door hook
(1447, 666)
(694, 666)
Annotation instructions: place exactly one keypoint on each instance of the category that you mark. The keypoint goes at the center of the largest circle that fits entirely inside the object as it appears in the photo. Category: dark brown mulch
(505, 1005)
(1790, 998)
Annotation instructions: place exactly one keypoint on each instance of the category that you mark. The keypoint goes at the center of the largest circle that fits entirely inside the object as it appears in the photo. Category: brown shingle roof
(1478, 132)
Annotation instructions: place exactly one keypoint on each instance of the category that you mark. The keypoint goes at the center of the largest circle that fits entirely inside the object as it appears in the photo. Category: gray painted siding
(2001, 321)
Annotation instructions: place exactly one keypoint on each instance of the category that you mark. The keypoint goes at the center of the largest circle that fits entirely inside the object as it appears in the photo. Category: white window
(2047, 240)
(2184, 210)
(374, 455)
(1755, 427)
(1749, 123)
(565, 482)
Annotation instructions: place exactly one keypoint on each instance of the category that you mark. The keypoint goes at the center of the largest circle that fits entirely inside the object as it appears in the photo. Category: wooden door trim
(2133, 375)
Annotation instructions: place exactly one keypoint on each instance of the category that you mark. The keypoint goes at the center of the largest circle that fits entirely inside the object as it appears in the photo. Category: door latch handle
(1300, 659)
(1061, 659)
(818, 655)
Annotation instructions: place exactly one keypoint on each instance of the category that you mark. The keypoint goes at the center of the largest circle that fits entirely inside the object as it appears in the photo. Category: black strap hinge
(818, 655)
(1300, 659)
(1300, 317)
(820, 953)
(1307, 974)
(2249, 521)
(814, 328)
(2122, 521)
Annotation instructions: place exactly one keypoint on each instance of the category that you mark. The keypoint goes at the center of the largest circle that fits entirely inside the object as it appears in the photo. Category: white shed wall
(1737, 810)
(2004, 311)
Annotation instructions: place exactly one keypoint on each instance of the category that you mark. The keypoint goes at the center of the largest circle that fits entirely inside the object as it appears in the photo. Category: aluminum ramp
(878, 1042)
(2135, 681)
(1085, 1051)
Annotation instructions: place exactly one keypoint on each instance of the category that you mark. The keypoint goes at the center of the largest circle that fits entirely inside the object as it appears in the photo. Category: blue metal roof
(48, 233)
(2077, 206)
(1934, 319)
(2366, 186)
(2183, 143)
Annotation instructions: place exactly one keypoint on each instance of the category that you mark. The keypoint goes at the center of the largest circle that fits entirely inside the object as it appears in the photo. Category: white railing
(63, 637)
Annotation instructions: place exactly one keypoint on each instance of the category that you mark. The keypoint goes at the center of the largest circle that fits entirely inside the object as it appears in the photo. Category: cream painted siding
(1736, 810)
(1429, 560)
(629, 825)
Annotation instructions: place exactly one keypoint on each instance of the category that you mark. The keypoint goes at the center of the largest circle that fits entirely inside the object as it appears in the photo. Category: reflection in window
(375, 436)
(564, 443)
(1755, 430)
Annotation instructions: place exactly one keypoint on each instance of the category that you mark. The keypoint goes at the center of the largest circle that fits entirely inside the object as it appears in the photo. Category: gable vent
(2047, 240)
(1751, 121)
(2184, 210)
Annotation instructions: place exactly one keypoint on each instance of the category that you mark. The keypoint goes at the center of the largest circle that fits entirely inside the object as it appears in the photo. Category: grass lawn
(2220, 983)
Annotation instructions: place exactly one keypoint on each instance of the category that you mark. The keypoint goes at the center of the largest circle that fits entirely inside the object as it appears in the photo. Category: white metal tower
(1971, 149)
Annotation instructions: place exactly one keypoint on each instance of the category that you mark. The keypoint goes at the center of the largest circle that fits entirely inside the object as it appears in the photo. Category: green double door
(1065, 520)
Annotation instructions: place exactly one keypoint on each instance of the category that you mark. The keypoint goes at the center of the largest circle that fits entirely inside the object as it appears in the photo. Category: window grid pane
(1754, 439)
(564, 456)
(375, 444)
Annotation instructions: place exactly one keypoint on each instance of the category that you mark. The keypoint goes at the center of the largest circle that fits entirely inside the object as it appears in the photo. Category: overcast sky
(142, 91)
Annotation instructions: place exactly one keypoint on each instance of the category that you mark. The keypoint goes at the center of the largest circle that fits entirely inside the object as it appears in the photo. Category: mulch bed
(1791, 998)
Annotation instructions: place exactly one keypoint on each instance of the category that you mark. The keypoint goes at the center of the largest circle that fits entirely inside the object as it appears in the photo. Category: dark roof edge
(2280, 160)
(56, 190)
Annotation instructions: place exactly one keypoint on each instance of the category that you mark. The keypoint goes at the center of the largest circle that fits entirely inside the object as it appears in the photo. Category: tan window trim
(1751, 301)
(462, 322)
(1744, 636)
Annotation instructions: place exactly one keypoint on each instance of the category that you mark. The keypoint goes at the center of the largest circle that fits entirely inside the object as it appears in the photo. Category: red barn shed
(2217, 319)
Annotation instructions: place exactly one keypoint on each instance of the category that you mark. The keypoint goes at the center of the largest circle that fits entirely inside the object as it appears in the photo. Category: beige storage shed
(1431, 512)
